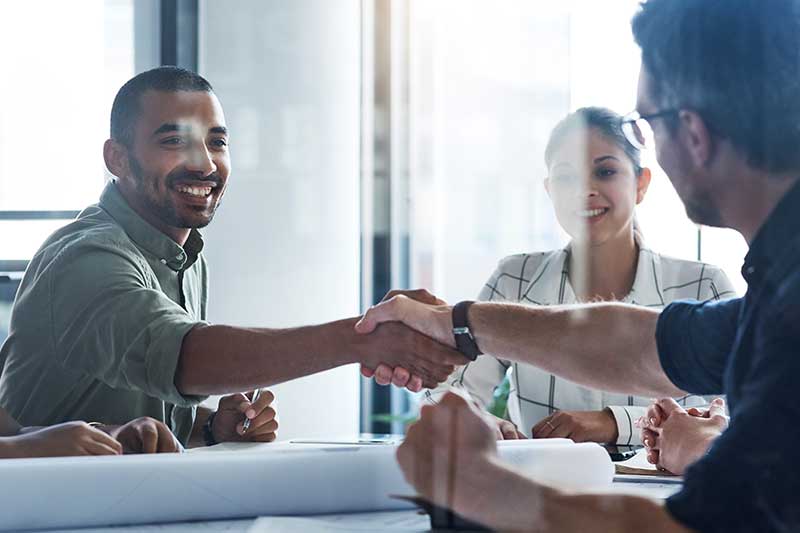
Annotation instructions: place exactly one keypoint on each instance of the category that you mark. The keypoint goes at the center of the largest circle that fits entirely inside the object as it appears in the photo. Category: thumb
(387, 311)
(717, 408)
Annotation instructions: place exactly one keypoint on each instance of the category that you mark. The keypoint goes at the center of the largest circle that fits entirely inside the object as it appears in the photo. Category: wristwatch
(208, 433)
(465, 342)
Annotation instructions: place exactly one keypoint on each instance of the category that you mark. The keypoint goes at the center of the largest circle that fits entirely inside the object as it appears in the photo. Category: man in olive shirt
(109, 323)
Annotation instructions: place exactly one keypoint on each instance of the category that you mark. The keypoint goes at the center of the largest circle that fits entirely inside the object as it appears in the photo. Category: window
(55, 116)
(59, 83)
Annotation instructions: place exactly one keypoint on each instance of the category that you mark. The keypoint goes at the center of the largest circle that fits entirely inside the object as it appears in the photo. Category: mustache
(188, 177)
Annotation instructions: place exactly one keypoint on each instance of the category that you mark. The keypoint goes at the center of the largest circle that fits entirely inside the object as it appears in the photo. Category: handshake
(408, 341)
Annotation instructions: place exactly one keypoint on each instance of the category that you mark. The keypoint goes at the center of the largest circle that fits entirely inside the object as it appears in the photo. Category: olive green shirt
(98, 322)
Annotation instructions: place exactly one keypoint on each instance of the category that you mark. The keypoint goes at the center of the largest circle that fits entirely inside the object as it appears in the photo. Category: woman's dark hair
(601, 119)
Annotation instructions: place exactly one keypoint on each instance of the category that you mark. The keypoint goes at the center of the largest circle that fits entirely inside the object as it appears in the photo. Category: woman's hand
(580, 426)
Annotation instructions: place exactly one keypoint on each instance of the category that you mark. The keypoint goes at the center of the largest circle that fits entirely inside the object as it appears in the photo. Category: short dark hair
(602, 119)
(736, 63)
(127, 103)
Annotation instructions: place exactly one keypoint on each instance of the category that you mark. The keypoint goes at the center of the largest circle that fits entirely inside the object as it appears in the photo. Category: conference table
(399, 519)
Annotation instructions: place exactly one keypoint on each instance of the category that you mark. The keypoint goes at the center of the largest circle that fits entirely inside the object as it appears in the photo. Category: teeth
(591, 212)
(194, 191)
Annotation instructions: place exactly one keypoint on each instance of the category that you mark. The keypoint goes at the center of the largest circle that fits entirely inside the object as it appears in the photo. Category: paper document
(638, 465)
(406, 521)
(255, 480)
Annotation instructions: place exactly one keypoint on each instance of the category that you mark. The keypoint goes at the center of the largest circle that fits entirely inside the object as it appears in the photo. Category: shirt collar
(643, 291)
(781, 227)
(147, 237)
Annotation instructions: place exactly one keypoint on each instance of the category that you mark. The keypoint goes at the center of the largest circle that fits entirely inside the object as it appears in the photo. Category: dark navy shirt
(748, 349)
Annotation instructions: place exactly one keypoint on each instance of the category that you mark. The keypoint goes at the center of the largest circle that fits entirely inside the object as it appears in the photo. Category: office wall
(283, 249)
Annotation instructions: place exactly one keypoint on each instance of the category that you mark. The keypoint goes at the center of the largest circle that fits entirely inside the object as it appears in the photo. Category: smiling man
(110, 319)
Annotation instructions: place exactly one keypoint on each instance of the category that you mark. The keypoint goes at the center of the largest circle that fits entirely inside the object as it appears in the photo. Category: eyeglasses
(637, 128)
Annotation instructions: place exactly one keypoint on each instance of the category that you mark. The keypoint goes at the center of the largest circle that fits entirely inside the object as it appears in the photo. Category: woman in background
(595, 180)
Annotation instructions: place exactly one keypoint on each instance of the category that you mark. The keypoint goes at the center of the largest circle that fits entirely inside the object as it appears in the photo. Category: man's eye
(173, 141)
(219, 142)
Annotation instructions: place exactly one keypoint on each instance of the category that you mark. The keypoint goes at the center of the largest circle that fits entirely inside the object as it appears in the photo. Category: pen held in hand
(246, 424)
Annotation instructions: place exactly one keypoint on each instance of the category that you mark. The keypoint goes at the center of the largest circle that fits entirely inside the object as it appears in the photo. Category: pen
(246, 424)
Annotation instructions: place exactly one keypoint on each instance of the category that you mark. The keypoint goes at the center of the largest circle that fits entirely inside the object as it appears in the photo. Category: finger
(262, 437)
(540, 425)
(543, 430)
(383, 374)
(148, 438)
(426, 411)
(263, 401)
(649, 438)
(367, 372)
(508, 431)
(669, 406)
(454, 399)
(653, 457)
(655, 415)
(414, 384)
(264, 417)
(105, 439)
(717, 408)
(400, 377)
(269, 426)
(167, 443)
(97, 447)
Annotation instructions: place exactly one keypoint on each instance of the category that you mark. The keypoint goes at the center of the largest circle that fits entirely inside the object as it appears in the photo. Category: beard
(162, 205)
(701, 209)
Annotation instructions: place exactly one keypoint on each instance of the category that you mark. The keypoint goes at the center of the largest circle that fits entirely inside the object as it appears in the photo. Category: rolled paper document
(272, 479)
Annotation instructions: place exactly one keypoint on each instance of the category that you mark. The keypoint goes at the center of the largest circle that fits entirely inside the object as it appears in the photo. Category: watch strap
(465, 341)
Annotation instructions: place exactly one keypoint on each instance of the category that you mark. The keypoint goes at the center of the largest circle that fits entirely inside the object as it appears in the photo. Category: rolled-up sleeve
(110, 322)
(694, 342)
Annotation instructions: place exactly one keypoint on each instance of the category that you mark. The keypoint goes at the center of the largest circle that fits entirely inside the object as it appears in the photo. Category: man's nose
(201, 160)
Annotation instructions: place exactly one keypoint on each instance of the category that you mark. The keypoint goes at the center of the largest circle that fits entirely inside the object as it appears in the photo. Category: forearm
(605, 346)
(504, 500)
(224, 359)
(8, 426)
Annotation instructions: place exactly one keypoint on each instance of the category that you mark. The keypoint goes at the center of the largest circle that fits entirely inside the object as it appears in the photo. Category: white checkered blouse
(543, 279)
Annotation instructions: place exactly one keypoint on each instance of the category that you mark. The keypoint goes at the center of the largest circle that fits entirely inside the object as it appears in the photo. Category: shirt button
(163, 261)
(750, 269)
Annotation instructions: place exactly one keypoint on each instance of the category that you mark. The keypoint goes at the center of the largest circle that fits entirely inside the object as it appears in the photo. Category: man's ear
(698, 140)
(642, 183)
(547, 187)
(116, 158)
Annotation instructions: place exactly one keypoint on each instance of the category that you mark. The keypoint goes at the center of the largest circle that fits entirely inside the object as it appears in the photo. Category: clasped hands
(676, 437)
